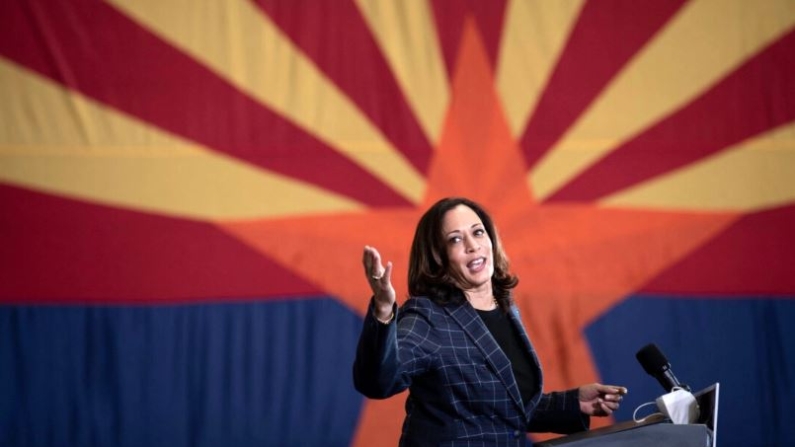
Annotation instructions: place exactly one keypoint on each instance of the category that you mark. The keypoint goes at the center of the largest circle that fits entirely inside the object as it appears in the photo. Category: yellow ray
(406, 35)
(759, 173)
(242, 45)
(533, 37)
(705, 41)
(57, 141)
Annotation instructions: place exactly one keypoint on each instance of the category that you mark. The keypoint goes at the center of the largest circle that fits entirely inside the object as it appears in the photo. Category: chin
(478, 282)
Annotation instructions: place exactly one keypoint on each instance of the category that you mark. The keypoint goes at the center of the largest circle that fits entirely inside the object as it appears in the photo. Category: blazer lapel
(516, 319)
(469, 320)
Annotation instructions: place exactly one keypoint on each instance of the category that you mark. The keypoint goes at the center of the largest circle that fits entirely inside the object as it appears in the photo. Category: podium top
(655, 435)
(656, 418)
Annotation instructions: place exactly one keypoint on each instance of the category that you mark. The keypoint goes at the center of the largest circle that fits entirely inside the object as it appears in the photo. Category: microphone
(656, 365)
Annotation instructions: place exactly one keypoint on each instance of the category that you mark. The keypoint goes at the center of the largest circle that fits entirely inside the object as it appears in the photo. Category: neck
(481, 300)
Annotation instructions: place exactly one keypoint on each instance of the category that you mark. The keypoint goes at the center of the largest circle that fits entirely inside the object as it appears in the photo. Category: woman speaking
(458, 344)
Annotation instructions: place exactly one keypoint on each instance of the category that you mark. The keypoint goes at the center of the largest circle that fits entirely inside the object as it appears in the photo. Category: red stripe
(754, 256)
(450, 15)
(62, 251)
(607, 34)
(753, 99)
(334, 35)
(94, 49)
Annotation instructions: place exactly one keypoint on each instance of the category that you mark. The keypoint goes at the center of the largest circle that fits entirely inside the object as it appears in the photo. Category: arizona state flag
(186, 188)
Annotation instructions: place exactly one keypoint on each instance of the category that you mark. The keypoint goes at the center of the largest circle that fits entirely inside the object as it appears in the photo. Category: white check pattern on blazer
(462, 391)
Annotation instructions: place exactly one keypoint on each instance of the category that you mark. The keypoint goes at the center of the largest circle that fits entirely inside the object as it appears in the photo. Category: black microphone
(656, 365)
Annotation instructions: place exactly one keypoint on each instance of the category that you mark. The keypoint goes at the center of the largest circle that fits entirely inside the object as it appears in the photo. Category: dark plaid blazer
(462, 390)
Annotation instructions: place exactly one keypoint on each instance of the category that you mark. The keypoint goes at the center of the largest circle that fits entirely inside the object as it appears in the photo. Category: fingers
(613, 395)
(378, 276)
(612, 400)
(604, 399)
(620, 390)
(383, 281)
(371, 260)
(608, 408)
(387, 275)
(611, 389)
(611, 392)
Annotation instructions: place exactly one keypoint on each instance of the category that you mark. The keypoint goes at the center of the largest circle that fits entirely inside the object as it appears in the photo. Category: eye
(454, 240)
(480, 232)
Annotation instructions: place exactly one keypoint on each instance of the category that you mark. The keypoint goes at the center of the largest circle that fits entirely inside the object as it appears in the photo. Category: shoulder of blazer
(420, 304)
(429, 309)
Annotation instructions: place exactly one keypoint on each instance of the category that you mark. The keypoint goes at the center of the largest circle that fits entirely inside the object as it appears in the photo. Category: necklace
(493, 305)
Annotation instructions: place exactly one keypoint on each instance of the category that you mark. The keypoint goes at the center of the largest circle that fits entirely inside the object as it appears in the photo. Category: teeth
(476, 262)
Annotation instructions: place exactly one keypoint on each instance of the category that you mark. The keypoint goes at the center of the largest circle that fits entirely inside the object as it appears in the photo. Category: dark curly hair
(429, 273)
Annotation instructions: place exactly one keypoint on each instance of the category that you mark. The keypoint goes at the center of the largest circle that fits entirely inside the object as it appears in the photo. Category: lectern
(655, 430)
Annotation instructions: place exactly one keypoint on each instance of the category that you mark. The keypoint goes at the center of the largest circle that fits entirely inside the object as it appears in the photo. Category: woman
(458, 343)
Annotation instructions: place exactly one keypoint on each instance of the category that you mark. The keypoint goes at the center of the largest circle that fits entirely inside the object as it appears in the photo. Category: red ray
(334, 35)
(92, 48)
(606, 36)
(755, 98)
(477, 156)
(450, 16)
(62, 251)
(756, 256)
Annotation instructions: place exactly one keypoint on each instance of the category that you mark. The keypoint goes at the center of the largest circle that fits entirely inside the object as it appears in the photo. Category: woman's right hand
(379, 278)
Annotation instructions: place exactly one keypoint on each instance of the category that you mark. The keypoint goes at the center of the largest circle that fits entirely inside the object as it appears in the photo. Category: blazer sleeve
(389, 355)
(559, 412)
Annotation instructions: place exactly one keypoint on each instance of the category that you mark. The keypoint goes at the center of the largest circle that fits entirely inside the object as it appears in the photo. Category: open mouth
(476, 264)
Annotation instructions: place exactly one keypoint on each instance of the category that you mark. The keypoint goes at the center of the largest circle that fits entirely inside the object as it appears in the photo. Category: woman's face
(469, 249)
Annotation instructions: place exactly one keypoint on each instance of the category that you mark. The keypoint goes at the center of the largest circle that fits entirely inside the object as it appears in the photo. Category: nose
(471, 244)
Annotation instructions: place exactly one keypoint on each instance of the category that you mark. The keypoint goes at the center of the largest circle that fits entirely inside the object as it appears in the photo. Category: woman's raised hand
(380, 280)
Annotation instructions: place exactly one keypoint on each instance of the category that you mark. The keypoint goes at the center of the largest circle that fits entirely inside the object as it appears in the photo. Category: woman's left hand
(600, 400)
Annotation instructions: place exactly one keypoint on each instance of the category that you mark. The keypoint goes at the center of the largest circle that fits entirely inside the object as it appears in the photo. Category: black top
(507, 336)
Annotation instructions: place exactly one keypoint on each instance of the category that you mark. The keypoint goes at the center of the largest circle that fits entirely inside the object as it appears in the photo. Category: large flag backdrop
(186, 187)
